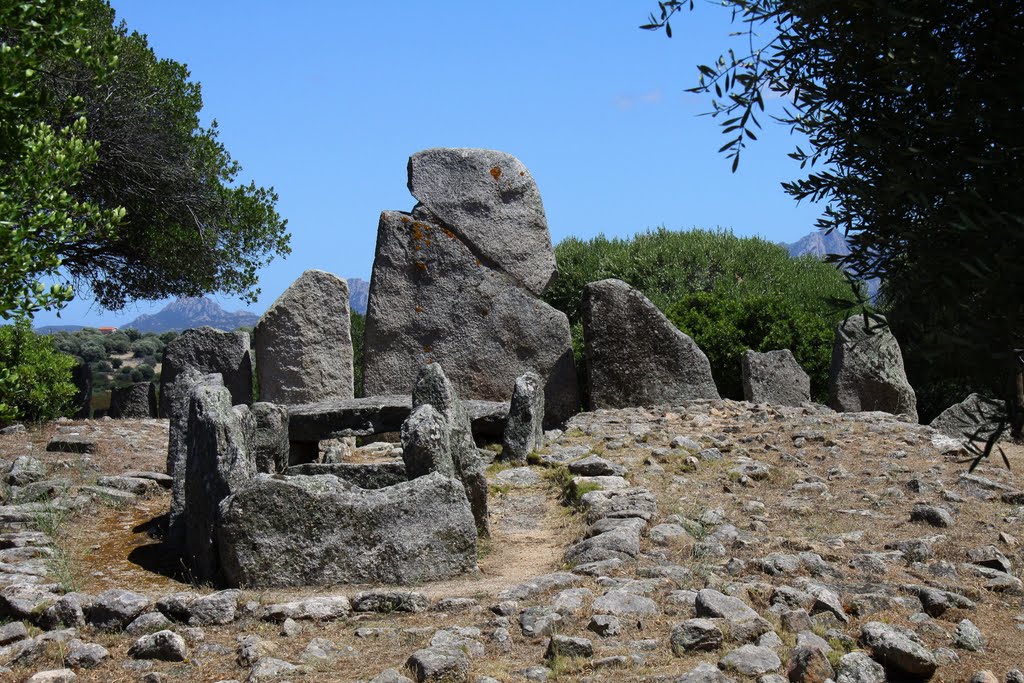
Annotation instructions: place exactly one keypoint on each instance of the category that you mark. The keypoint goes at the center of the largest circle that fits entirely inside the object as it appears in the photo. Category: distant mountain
(183, 314)
(358, 294)
(819, 245)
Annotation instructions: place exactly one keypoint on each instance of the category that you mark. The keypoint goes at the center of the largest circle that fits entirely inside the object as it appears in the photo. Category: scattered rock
(165, 646)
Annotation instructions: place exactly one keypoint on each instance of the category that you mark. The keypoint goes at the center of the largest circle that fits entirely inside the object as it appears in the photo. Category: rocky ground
(713, 541)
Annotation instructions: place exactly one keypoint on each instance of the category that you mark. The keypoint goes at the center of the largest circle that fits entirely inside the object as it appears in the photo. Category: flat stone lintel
(312, 422)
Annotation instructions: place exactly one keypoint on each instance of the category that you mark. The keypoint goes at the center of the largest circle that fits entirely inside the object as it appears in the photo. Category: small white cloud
(624, 101)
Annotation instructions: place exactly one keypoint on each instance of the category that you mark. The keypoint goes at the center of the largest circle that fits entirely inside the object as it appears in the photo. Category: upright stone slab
(867, 370)
(133, 401)
(490, 200)
(426, 443)
(974, 415)
(270, 446)
(524, 430)
(178, 395)
(457, 281)
(319, 530)
(304, 342)
(635, 355)
(210, 351)
(434, 389)
(218, 464)
(81, 377)
(774, 377)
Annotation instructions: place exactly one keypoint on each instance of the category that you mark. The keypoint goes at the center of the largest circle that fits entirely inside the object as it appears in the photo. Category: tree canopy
(109, 180)
(41, 160)
(912, 113)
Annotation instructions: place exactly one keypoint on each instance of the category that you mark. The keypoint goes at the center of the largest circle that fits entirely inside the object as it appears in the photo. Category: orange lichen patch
(419, 309)
(477, 262)
(428, 349)
(495, 172)
(427, 242)
(448, 233)
(522, 173)
(405, 219)
(417, 248)
(421, 265)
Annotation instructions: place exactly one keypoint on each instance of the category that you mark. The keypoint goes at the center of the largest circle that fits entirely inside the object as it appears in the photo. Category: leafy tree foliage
(42, 162)
(912, 111)
(174, 178)
(728, 293)
(33, 376)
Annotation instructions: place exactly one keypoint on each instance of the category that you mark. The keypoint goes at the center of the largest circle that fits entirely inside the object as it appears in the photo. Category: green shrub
(728, 293)
(35, 378)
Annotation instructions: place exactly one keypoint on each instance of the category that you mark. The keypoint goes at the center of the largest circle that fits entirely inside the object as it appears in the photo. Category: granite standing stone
(81, 377)
(774, 377)
(133, 401)
(270, 446)
(210, 351)
(178, 395)
(466, 295)
(304, 342)
(635, 355)
(433, 388)
(867, 370)
(218, 464)
(426, 443)
(524, 430)
(491, 201)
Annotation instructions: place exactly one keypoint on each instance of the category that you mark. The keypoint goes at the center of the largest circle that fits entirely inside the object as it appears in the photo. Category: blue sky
(325, 101)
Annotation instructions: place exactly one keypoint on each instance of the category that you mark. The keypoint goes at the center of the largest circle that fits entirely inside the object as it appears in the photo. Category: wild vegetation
(34, 376)
(106, 176)
(911, 113)
(728, 293)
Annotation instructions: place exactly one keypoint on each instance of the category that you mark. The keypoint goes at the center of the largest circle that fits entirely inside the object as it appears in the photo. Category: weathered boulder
(270, 444)
(317, 530)
(304, 342)
(524, 430)
(635, 355)
(465, 293)
(490, 200)
(209, 351)
(434, 389)
(133, 401)
(867, 370)
(774, 377)
(372, 475)
(974, 414)
(217, 464)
